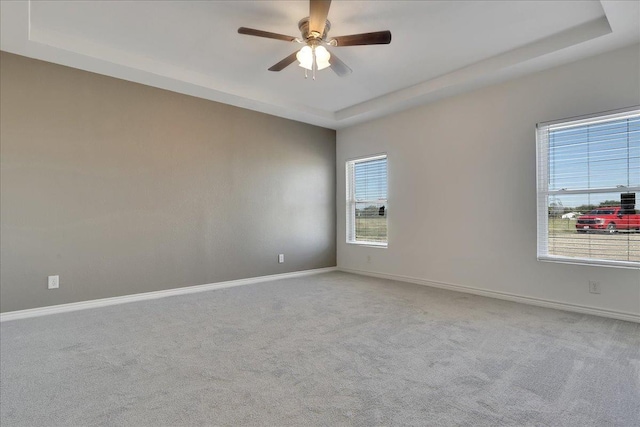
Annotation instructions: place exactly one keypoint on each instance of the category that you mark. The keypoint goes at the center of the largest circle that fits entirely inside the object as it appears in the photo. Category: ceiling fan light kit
(314, 55)
(309, 56)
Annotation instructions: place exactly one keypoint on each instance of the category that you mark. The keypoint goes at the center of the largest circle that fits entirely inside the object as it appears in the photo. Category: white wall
(462, 185)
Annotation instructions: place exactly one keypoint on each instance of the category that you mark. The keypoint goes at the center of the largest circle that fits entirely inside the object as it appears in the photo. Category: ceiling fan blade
(284, 63)
(267, 34)
(339, 67)
(379, 37)
(318, 12)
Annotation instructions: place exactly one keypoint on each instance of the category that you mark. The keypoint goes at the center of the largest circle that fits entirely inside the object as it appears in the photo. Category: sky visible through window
(591, 157)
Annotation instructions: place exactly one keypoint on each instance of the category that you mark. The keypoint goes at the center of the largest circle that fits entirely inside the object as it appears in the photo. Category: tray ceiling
(439, 48)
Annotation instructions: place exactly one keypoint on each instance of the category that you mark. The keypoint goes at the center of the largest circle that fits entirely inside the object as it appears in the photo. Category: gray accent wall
(122, 188)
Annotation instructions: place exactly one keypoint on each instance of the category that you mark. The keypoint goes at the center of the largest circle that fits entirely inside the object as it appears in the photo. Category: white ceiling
(439, 48)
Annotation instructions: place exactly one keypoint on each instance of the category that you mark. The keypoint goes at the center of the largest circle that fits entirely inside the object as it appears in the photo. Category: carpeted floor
(332, 349)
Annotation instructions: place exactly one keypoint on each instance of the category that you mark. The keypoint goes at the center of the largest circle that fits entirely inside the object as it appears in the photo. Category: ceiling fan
(314, 28)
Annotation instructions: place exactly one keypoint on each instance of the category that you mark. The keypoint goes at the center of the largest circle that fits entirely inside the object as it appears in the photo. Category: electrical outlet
(53, 282)
(280, 258)
(594, 287)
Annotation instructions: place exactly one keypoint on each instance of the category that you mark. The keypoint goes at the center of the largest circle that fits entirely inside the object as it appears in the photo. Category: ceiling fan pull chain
(313, 63)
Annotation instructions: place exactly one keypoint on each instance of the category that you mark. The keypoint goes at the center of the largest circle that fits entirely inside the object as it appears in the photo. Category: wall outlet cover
(53, 282)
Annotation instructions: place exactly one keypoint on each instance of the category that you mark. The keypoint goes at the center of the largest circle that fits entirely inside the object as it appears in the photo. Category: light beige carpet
(332, 349)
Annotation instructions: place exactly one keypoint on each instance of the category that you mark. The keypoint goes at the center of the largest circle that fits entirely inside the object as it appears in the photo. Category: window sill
(590, 262)
(370, 244)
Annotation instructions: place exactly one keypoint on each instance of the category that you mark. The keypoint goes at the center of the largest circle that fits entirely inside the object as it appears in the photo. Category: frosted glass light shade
(322, 57)
(305, 57)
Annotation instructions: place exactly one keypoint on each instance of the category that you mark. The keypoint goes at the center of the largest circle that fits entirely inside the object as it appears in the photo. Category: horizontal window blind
(589, 189)
(367, 200)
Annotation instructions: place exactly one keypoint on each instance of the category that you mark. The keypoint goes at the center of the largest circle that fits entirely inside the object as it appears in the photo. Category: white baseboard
(103, 302)
(619, 315)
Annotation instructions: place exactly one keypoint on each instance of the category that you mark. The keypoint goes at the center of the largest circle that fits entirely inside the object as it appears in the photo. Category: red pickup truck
(609, 219)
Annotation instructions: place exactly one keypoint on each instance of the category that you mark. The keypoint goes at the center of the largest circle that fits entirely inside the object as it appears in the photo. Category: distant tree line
(587, 208)
(372, 211)
(556, 209)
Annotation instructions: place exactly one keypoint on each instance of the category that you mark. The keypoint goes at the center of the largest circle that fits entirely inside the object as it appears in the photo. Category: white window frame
(351, 201)
(543, 192)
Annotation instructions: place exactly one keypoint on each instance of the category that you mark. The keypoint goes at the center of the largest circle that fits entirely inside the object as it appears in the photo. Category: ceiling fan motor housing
(303, 25)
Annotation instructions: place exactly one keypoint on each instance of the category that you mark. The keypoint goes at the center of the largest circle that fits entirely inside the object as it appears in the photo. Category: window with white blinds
(367, 200)
(589, 189)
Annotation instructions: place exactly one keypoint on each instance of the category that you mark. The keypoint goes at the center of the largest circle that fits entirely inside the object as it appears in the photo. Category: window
(367, 201)
(589, 189)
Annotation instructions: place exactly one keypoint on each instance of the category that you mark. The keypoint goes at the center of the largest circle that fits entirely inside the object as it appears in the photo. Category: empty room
(319, 213)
